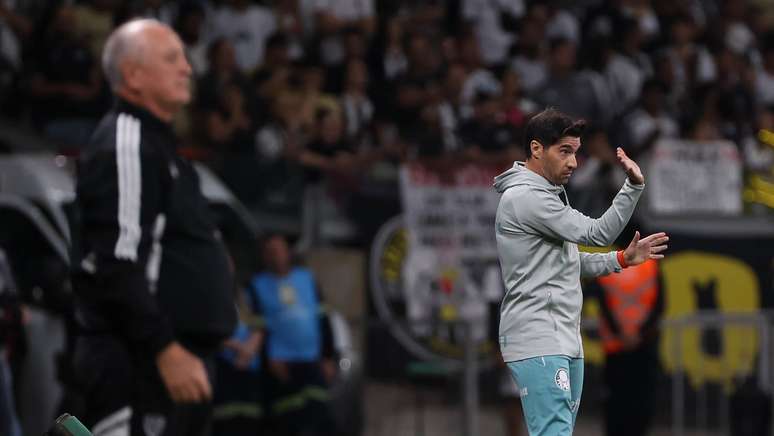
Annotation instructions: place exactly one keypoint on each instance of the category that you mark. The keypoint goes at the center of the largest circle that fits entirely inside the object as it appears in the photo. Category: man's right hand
(183, 374)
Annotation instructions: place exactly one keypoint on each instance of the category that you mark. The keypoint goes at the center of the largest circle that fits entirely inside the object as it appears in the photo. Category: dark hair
(549, 126)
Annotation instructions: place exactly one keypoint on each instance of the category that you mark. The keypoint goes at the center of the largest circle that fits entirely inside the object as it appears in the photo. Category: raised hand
(640, 250)
(630, 167)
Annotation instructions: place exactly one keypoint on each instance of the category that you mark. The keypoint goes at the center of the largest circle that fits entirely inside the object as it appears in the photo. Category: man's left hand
(640, 250)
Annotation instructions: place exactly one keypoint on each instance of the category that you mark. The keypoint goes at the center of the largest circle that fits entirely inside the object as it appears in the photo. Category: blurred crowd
(290, 92)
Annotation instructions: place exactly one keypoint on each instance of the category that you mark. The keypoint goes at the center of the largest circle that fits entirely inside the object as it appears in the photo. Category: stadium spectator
(569, 90)
(310, 94)
(247, 26)
(224, 101)
(65, 82)
(628, 67)
(494, 24)
(764, 77)
(478, 79)
(94, 20)
(649, 121)
(355, 103)
(333, 18)
(530, 58)
(488, 136)
(190, 25)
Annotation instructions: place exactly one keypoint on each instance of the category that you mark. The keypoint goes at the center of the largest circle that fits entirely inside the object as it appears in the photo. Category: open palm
(650, 247)
(630, 167)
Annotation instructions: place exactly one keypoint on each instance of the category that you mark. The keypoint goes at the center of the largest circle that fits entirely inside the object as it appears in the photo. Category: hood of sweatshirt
(519, 174)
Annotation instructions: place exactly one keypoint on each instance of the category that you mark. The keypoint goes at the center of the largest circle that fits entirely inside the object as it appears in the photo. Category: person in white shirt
(486, 18)
(332, 17)
(246, 26)
(649, 121)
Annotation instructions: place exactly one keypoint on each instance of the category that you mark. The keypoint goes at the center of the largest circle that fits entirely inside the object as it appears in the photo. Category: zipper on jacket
(551, 309)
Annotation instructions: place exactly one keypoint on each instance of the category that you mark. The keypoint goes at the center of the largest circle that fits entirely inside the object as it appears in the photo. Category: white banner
(686, 177)
(452, 271)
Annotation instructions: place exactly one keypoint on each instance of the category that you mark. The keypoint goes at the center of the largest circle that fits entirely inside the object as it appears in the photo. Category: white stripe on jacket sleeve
(129, 186)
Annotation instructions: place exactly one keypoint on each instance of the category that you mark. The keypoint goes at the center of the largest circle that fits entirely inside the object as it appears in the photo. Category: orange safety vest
(631, 296)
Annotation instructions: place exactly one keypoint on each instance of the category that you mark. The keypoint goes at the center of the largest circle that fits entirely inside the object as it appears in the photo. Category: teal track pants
(551, 388)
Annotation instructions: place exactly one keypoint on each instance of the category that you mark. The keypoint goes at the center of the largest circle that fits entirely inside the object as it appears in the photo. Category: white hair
(123, 44)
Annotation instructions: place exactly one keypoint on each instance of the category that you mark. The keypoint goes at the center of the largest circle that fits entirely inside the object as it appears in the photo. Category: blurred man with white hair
(153, 282)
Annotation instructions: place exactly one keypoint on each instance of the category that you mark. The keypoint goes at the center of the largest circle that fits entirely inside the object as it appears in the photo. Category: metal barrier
(705, 320)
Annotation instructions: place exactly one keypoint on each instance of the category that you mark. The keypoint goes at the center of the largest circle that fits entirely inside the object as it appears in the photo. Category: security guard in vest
(631, 305)
(298, 349)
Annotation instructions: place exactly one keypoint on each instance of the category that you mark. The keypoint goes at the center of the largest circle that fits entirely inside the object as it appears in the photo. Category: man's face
(277, 254)
(163, 75)
(558, 161)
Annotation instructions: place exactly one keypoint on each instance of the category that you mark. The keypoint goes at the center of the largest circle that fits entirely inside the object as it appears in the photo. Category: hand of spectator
(328, 367)
(247, 350)
(183, 375)
(640, 250)
(630, 167)
(279, 370)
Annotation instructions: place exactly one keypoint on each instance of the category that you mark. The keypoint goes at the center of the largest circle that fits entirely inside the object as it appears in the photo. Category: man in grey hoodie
(537, 235)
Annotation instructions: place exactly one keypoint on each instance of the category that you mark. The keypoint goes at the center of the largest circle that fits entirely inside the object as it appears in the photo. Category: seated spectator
(229, 124)
(189, 24)
(290, 23)
(560, 23)
(333, 18)
(355, 103)
(449, 113)
(598, 177)
(488, 138)
(94, 20)
(329, 152)
(393, 55)
(223, 101)
(278, 143)
(530, 57)
(355, 46)
(628, 67)
(649, 121)
(310, 80)
(299, 342)
(692, 62)
(494, 35)
(571, 91)
(272, 78)
(516, 108)
(66, 85)
(764, 76)
(246, 25)
(409, 91)
(478, 79)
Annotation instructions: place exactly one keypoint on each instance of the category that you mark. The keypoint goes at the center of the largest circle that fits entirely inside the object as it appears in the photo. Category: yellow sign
(734, 290)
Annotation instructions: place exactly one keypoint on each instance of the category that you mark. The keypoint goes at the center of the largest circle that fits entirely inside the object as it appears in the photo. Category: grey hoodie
(537, 237)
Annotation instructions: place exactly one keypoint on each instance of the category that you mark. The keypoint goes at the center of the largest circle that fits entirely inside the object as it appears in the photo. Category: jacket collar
(144, 115)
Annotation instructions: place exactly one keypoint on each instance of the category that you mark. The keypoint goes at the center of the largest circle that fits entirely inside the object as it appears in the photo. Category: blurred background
(367, 133)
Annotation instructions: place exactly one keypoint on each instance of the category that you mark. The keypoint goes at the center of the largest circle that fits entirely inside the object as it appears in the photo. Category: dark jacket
(149, 265)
